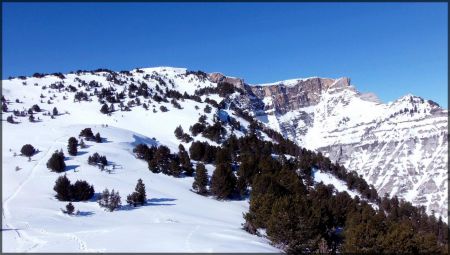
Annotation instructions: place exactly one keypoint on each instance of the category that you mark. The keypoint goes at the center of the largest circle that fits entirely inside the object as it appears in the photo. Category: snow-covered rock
(400, 147)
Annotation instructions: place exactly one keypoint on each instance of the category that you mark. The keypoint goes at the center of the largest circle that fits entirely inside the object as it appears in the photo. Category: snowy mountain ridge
(399, 147)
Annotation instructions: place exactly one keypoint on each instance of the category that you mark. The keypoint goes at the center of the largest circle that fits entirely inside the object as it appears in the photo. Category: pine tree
(104, 109)
(104, 198)
(36, 108)
(197, 150)
(138, 197)
(163, 108)
(31, 117)
(87, 133)
(98, 138)
(153, 166)
(162, 158)
(175, 168)
(185, 161)
(70, 208)
(82, 144)
(207, 108)
(63, 188)
(28, 150)
(200, 180)
(132, 199)
(114, 201)
(82, 191)
(10, 119)
(4, 107)
(179, 132)
(223, 182)
(56, 162)
(72, 146)
(110, 200)
(241, 186)
(140, 189)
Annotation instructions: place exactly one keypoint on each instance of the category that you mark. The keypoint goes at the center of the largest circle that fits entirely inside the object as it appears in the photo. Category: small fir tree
(138, 197)
(62, 188)
(223, 182)
(98, 138)
(70, 208)
(82, 144)
(201, 179)
(179, 132)
(104, 109)
(72, 146)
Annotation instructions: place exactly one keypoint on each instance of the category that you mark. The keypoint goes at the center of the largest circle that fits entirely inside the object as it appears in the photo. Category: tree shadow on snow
(81, 153)
(157, 201)
(104, 140)
(144, 140)
(72, 167)
(10, 229)
(95, 197)
(86, 146)
(84, 213)
(150, 202)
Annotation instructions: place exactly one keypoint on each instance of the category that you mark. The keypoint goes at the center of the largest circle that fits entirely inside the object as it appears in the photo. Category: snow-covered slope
(175, 218)
(403, 153)
(400, 147)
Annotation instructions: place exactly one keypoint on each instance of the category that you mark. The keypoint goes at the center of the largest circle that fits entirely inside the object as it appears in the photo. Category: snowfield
(175, 219)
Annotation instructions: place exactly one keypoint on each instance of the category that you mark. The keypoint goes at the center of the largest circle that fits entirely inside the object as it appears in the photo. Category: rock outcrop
(400, 147)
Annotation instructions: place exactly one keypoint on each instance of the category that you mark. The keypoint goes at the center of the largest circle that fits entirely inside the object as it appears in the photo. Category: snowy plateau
(399, 147)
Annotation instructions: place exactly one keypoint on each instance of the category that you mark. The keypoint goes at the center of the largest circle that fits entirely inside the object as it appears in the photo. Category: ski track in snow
(187, 241)
(5, 211)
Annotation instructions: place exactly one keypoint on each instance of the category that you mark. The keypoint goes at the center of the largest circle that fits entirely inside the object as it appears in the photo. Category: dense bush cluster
(56, 162)
(224, 89)
(215, 132)
(89, 136)
(80, 96)
(202, 151)
(98, 160)
(28, 150)
(200, 74)
(79, 191)
(163, 108)
(87, 133)
(110, 200)
(161, 160)
(181, 135)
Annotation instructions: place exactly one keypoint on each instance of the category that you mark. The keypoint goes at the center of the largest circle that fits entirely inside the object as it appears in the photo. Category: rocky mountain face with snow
(400, 147)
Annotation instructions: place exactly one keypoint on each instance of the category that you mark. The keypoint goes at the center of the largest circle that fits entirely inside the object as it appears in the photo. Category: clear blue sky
(390, 49)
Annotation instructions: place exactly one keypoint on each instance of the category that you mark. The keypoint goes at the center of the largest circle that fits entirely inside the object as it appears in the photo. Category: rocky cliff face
(400, 147)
